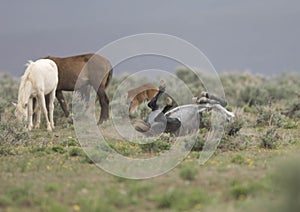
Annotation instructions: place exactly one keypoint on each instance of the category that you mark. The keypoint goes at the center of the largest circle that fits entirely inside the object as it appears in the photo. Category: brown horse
(137, 96)
(94, 71)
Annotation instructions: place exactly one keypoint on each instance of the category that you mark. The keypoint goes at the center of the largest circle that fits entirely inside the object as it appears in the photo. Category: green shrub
(160, 144)
(205, 121)
(235, 143)
(240, 191)
(52, 187)
(168, 199)
(289, 124)
(75, 151)
(269, 116)
(94, 157)
(293, 109)
(234, 126)
(70, 141)
(58, 149)
(178, 200)
(269, 140)
(188, 173)
(13, 133)
(7, 150)
(238, 159)
(195, 142)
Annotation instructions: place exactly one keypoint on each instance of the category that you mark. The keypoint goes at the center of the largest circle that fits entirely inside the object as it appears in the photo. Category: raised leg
(229, 115)
(133, 105)
(153, 103)
(62, 102)
(41, 100)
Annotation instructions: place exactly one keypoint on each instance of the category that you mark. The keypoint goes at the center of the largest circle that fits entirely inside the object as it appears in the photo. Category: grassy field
(256, 165)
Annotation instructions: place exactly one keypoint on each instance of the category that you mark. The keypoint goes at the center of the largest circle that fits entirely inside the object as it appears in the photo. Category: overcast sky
(260, 35)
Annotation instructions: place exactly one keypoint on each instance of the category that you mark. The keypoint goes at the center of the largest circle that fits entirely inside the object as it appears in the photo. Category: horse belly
(189, 118)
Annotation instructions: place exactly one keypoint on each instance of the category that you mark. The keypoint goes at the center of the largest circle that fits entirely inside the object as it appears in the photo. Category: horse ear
(14, 104)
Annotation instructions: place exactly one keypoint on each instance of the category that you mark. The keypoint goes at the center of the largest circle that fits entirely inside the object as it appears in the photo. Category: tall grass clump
(270, 139)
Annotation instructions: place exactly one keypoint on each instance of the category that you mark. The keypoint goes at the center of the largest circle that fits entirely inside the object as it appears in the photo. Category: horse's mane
(24, 79)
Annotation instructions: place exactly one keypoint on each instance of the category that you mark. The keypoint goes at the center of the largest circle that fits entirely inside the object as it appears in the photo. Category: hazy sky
(260, 35)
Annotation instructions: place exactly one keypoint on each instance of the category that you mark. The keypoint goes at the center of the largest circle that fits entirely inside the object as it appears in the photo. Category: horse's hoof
(102, 120)
(169, 101)
(204, 94)
(141, 126)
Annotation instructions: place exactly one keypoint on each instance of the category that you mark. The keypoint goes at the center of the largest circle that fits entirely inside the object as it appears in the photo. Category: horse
(40, 79)
(80, 73)
(183, 119)
(140, 94)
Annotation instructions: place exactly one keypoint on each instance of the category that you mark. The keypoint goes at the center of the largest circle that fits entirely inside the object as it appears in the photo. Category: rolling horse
(82, 72)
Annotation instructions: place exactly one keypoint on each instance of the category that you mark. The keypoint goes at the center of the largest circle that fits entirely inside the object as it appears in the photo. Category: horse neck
(24, 91)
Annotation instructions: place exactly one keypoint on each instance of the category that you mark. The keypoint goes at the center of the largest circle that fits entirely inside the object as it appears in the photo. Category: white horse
(40, 79)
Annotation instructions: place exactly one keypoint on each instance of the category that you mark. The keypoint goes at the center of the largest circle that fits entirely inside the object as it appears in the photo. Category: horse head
(21, 111)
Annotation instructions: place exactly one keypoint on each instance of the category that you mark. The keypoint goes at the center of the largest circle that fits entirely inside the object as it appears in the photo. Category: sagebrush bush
(269, 116)
(293, 108)
(252, 95)
(188, 173)
(270, 139)
(13, 133)
(195, 142)
(234, 126)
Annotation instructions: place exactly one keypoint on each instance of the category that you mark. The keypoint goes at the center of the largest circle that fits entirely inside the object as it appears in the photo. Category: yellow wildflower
(76, 207)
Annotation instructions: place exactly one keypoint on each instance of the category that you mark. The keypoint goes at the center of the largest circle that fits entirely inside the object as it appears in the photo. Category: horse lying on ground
(94, 71)
(40, 79)
(183, 119)
(138, 95)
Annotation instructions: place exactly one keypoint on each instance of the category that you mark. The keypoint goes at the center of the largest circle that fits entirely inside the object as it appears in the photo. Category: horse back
(91, 68)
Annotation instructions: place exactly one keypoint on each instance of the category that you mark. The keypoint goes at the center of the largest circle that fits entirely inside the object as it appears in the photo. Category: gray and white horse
(188, 116)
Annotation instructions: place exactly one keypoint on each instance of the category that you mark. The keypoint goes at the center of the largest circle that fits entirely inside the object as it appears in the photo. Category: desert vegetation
(255, 166)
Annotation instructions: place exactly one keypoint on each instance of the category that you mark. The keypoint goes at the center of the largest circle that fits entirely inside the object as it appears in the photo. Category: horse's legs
(62, 102)
(152, 104)
(30, 114)
(104, 103)
(37, 110)
(41, 100)
(133, 105)
(51, 107)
